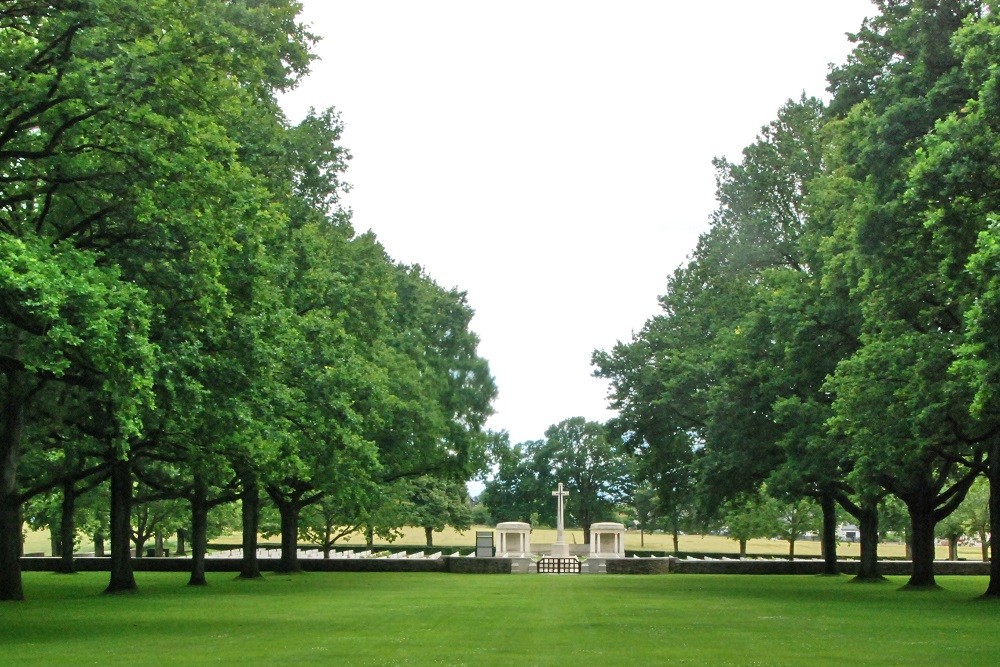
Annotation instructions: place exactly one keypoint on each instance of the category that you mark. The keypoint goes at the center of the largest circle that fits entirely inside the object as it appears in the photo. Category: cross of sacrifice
(559, 494)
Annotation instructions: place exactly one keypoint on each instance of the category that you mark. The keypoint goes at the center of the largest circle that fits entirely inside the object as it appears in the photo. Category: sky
(553, 158)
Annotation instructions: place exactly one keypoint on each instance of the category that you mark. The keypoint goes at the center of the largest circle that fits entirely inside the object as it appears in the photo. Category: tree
(435, 504)
(512, 492)
(644, 508)
(795, 519)
(896, 401)
(749, 516)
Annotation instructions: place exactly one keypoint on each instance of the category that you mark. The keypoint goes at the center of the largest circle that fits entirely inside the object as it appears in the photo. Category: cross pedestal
(560, 549)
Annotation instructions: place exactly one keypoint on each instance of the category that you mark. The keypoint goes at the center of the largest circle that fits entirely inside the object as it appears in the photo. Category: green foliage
(833, 334)
(584, 456)
(179, 286)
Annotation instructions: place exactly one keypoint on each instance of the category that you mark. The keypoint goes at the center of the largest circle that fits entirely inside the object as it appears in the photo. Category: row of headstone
(346, 553)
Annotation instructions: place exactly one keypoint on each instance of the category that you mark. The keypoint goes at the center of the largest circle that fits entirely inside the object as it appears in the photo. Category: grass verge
(446, 619)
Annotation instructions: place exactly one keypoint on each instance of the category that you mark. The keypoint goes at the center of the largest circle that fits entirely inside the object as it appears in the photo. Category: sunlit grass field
(450, 619)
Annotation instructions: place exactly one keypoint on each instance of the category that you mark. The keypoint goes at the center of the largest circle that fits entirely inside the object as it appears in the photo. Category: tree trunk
(369, 536)
(791, 549)
(99, 544)
(828, 541)
(429, 535)
(199, 532)
(675, 527)
(743, 548)
(122, 577)
(67, 529)
(993, 588)
(289, 511)
(250, 512)
(158, 544)
(868, 525)
(984, 545)
(55, 543)
(953, 547)
(642, 538)
(922, 540)
(10, 504)
(181, 548)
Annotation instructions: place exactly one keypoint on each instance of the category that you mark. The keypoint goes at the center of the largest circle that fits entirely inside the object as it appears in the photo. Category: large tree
(896, 399)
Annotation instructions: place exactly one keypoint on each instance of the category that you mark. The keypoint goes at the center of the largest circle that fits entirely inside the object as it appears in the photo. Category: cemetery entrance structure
(607, 540)
(513, 539)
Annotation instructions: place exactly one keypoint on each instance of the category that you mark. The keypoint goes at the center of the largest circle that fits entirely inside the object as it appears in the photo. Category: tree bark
(199, 532)
(993, 588)
(791, 549)
(55, 541)
(675, 527)
(289, 511)
(10, 504)
(868, 525)
(829, 539)
(122, 577)
(743, 548)
(953, 547)
(181, 548)
(99, 544)
(921, 511)
(67, 529)
(250, 513)
(429, 535)
(369, 536)
(10, 548)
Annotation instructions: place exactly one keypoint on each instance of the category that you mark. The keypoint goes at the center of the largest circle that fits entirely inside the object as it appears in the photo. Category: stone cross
(560, 548)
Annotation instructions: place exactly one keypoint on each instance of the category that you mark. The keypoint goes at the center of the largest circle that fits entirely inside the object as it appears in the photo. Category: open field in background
(39, 542)
(423, 619)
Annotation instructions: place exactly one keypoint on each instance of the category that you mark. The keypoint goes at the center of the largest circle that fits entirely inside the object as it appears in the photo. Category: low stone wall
(478, 565)
(815, 567)
(638, 565)
(466, 565)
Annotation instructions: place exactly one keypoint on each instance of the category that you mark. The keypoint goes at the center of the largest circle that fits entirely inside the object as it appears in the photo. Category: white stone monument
(607, 540)
(513, 539)
(560, 549)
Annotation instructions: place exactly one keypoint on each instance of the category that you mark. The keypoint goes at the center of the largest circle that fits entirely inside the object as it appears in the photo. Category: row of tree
(834, 334)
(185, 309)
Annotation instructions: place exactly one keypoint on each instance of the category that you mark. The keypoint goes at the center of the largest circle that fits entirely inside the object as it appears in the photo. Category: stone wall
(638, 565)
(466, 565)
(478, 565)
(849, 567)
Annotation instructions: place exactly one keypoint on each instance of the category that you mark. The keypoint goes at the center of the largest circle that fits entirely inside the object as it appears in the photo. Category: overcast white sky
(553, 158)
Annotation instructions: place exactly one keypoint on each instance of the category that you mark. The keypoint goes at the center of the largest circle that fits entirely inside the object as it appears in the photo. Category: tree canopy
(183, 301)
(828, 336)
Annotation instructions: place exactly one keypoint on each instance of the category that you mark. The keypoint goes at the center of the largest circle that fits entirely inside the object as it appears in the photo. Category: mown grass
(448, 619)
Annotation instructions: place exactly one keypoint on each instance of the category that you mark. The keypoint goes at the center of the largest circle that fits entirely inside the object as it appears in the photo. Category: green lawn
(449, 619)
